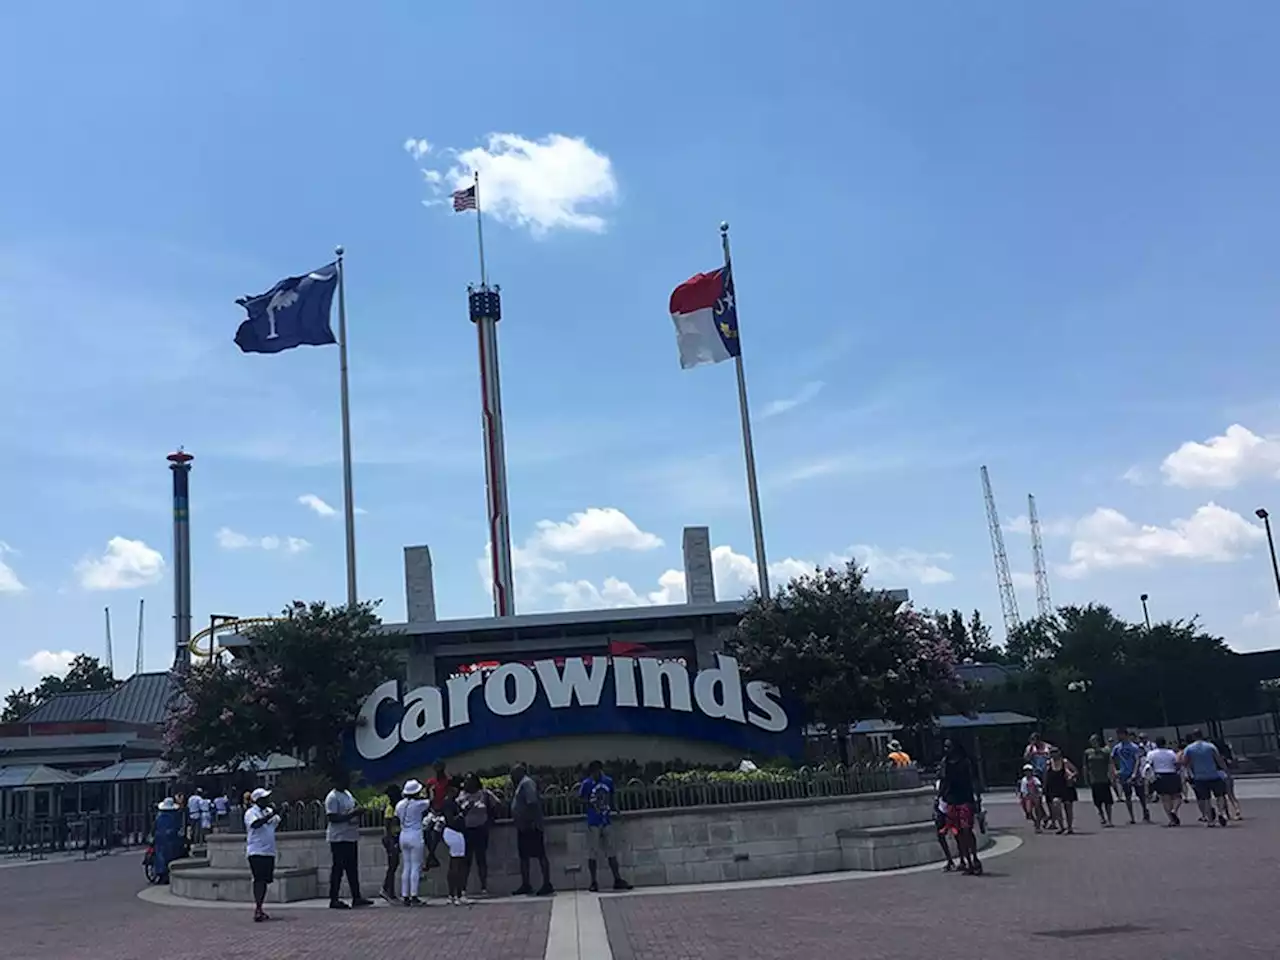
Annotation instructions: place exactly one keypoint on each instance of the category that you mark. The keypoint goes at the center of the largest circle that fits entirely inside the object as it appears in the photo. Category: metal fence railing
(672, 792)
(35, 838)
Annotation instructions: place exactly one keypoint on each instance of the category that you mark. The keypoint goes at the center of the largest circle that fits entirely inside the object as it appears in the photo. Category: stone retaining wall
(746, 841)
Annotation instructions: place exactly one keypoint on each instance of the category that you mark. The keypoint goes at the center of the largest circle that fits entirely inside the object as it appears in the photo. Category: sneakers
(524, 890)
(338, 905)
(546, 890)
(620, 884)
(362, 902)
(594, 887)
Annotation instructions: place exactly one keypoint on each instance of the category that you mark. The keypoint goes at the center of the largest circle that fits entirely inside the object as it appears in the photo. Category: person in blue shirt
(1208, 777)
(1128, 760)
(597, 792)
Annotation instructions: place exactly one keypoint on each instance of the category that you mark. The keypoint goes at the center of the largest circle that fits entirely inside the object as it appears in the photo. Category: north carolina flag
(706, 318)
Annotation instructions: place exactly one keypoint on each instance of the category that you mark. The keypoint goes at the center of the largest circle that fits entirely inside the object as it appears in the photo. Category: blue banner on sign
(756, 721)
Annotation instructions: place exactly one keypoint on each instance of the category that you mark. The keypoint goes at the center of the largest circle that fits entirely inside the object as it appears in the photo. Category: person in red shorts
(959, 792)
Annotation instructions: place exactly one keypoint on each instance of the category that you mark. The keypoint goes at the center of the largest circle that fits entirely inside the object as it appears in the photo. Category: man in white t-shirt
(1163, 764)
(343, 834)
(195, 810)
(260, 822)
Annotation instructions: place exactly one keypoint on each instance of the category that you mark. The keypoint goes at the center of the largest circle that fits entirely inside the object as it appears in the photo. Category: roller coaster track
(210, 633)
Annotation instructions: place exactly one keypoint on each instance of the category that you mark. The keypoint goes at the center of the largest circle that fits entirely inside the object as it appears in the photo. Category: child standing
(1031, 796)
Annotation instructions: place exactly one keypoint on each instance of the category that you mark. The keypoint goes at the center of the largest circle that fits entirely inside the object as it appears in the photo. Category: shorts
(960, 817)
(600, 842)
(262, 868)
(455, 841)
(530, 844)
(1102, 796)
(1168, 784)
(1207, 788)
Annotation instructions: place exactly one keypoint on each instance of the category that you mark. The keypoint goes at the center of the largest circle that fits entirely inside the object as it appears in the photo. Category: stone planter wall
(875, 831)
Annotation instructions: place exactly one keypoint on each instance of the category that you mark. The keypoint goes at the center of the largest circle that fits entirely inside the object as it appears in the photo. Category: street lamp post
(1271, 543)
(1146, 614)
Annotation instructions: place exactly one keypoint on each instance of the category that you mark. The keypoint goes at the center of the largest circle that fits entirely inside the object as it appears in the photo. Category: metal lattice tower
(1008, 602)
(1044, 605)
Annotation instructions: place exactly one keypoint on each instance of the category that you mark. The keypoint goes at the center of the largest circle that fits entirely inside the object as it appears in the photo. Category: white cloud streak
(124, 565)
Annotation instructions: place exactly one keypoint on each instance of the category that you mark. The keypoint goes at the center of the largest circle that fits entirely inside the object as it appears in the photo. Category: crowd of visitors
(453, 812)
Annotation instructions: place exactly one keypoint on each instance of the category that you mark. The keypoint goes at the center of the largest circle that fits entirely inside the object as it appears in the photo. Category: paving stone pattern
(90, 911)
(1141, 892)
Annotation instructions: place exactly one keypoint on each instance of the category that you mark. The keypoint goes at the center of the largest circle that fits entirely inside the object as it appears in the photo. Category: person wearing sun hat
(260, 822)
(411, 811)
(168, 837)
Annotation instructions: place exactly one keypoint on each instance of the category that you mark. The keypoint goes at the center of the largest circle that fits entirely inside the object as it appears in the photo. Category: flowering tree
(848, 653)
(295, 689)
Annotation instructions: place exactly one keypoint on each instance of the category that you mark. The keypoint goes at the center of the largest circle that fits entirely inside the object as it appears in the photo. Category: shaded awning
(132, 771)
(953, 721)
(33, 775)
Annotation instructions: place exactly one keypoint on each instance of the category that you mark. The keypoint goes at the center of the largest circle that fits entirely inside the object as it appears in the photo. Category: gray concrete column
(419, 589)
(699, 578)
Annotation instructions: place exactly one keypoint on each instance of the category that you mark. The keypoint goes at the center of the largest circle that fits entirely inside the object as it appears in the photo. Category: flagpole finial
(339, 250)
(724, 226)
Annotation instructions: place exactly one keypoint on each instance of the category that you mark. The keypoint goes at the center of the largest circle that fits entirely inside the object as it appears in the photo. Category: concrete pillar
(699, 579)
(419, 589)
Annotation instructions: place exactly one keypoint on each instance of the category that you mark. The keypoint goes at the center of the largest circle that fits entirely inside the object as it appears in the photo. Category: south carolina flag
(706, 319)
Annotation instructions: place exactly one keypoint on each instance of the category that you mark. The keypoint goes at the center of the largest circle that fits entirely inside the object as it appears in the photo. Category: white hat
(1027, 766)
(895, 745)
(259, 794)
(412, 788)
(168, 803)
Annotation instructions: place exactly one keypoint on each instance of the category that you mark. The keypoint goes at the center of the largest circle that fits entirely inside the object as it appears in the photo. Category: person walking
(1100, 774)
(343, 833)
(167, 840)
(260, 822)
(1127, 756)
(1208, 778)
(1030, 797)
(1037, 754)
(960, 795)
(1168, 781)
(526, 812)
(1229, 758)
(391, 842)
(411, 811)
(479, 806)
(597, 792)
(1060, 790)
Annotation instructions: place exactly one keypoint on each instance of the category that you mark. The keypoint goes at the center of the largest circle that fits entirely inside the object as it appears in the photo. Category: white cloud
(45, 662)
(229, 539)
(1136, 476)
(802, 396)
(314, 503)
(594, 530)
(417, 148)
(1106, 539)
(894, 567)
(1224, 461)
(125, 565)
(9, 582)
(552, 183)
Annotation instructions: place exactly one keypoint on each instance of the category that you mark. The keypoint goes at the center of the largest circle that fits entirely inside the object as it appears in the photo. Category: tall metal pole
(1146, 615)
(180, 466)
(348, 496)
(484, 277)
(1265, 517)
(138, 657)
(748, 449)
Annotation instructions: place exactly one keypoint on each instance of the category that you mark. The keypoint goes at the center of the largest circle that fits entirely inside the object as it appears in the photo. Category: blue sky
(1040, 239)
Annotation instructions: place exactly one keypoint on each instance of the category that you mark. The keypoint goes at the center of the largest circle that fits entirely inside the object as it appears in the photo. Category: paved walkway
(1139, 891)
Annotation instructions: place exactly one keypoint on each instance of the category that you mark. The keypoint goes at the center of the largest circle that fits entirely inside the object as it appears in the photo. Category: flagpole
(484, 279)
(748, 449)
(348, 497)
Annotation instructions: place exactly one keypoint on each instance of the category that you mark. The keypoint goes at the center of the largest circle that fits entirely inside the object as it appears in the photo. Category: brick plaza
(1140, 891)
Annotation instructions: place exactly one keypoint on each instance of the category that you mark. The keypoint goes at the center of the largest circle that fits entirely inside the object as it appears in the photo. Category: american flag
(464, 199)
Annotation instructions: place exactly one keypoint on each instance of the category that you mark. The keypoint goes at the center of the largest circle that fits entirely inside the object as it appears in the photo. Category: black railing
(35, 838)
(667, 793)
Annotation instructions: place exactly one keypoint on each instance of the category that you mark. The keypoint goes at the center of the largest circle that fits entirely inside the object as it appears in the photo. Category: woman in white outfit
(411, 810)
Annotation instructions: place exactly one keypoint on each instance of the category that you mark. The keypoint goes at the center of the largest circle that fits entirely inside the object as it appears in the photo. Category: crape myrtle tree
(294, 690)
(847, 652)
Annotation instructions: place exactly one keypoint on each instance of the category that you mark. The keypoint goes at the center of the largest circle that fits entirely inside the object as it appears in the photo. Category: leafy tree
(846, 652)
(85, 673)
(970, 642)
(17, 705)
(295, 689)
